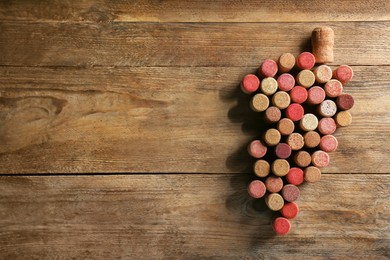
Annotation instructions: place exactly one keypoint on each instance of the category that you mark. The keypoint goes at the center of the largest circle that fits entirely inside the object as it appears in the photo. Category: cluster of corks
(303, 105)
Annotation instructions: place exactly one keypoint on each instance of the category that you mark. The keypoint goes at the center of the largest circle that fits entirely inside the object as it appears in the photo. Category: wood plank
(181, 44)
(188, 217)
(195, 11)
(161, 119)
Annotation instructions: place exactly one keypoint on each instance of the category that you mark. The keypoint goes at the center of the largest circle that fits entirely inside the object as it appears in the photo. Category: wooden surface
(123, 130)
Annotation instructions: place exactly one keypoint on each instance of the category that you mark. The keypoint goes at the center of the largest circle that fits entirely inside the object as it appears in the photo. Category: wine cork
(322, 41)
(323, 74)
(345, 101)
(281, 99)
(286, 82)
(290, 192)
(268, 68)
(256, 189)
(343, 73)
(306, 61)
(259, 103)
(269, 86)
(308, 122)
(295, 112)
(280, 167)
(333, 88)
(343, 118)
(298, 94)
(272, 115)
(305, 78)
(327, 126)
(328, 143)
(286, 126)
(320, 159)
(257, 149)
(295, 141)
(290, 210)
(250, 83)
(274, 183)
(312, 139)
(261, 168)
(282, 150)
(286, 62)
(327, 108)
(302, 159)
(295, 176)
(272, 137)
(274, 201)
(312, 174)
(281, 226)
(315, 95)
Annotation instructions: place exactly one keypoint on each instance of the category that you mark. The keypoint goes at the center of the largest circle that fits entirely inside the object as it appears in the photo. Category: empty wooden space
(123, 130)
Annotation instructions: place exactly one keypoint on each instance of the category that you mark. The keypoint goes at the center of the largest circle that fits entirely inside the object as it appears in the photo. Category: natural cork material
(306, 78)
(323, 74)
(281, 99)
(259, 103)
(320, 159)
(272, 137)
(322, 41)
(274, 201)
(312, 139)
(286, 126)
(286, 62)
(272, 115)
(302, 158)
(333, 88)
(280, 167)
(274, 183)
(343, 118)
(295, 141)
(261, 168)
(269, 86)
(327, 108)
(312, 174)
(309, 122)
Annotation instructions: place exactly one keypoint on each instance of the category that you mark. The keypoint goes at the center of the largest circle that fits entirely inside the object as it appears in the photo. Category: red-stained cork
(298, 94)
(283, 151)
(328, 143)
(295, 112)
(312, 174)
(302, 159)
(345, 101)
(290, 192)
(322, 41)
(327, 126)
(286, 82)
(250, 83)
(306, 61)
(333, 88)
(344, 74)
(320, 159)
(272, 115)
(286, 62)
(286, 126)
(281, 226)
(274, 183)
(312, 139)
(295, 176)
(323, 73)
(315, 95)
(256, 189)
(268, 68)
(290, 210)
(257, 149)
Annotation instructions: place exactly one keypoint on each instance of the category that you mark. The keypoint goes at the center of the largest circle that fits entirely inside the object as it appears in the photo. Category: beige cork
(286, 126)
(323, 74)
(312, 139)
(269, 86)
(281, 99)
(286, 62)
(343, 118)
(259, 103)
(295, 141)
(280, 167)
(261, 168)
(302, 159)
(312, 174)
(309, 122)
(272, 137)
(274, 201)
(327, 108)
(306, 78)
(322, 41)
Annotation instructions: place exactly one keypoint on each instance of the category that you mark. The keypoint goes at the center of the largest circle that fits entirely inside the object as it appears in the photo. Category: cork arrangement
(302, 101)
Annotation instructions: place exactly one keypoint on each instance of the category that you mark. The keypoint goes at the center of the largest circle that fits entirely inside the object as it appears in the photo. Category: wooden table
(123, 131)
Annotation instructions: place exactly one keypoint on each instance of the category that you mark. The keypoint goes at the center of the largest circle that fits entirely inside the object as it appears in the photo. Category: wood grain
(195, 11)
(188, 217)
(182, 44)
(161, 119)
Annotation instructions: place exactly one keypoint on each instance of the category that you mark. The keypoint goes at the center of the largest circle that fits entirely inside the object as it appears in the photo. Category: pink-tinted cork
(290, 210)
(286, 82)
(345, 101)
(344, 74)
(268, 68)
(274, 183)
(320, 159)
(306, 61)
(315, 95)
(281, 226)
(257, 149)
(333, 88)
(256, 189)
(295, 176)
(295, 112)
(298, 94)
(283, 150)
(327, 126)
(290, 192)
(328, 143)
(250, 83)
